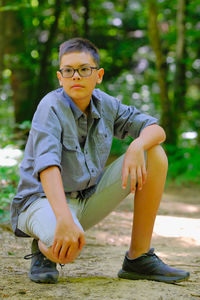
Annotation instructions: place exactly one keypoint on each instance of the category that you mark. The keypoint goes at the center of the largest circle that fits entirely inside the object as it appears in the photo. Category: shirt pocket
(71, 144)
(71, 156)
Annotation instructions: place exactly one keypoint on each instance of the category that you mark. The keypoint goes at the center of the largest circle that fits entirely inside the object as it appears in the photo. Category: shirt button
(106, 135)
(92, 170)
(86, 152)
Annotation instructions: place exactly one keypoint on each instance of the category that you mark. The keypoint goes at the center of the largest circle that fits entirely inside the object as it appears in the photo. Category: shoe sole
(49, 278)
(135, 276)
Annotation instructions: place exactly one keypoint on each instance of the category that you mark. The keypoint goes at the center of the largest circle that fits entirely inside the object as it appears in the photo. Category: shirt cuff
(44, 161)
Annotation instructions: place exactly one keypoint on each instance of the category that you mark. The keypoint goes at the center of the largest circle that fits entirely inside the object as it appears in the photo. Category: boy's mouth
(77, 86)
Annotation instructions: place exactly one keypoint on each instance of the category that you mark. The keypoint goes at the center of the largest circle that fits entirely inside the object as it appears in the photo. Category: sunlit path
(187, 229)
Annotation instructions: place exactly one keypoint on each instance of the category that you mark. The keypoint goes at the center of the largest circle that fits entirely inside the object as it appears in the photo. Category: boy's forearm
(150, 136)
(53, 187)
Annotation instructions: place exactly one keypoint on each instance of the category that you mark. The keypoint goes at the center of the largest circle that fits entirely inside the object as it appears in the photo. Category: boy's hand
(68, 241)
(69, 238)
(134, 163)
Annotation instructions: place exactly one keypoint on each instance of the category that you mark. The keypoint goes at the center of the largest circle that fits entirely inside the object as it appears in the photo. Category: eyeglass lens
(82, 71)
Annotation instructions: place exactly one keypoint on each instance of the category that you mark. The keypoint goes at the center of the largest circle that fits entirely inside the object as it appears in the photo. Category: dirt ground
(94, 274)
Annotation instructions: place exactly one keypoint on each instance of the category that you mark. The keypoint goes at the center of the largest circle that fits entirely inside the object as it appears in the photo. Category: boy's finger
(54, 246)
(139, 178)
(81, 242)
(63, 251)
(133, 181)
(72, 252)
(144, 174)
(57, 249)
(124, 177)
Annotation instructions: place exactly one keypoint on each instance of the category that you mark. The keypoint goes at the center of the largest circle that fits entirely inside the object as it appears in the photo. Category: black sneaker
(42, 269)
(149, 266)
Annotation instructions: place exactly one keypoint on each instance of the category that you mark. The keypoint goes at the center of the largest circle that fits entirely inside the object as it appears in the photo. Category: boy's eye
(85, 69)
(68, 70)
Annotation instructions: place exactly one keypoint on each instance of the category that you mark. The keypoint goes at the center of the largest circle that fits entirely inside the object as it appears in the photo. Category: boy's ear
(59, 78)
(100, 75)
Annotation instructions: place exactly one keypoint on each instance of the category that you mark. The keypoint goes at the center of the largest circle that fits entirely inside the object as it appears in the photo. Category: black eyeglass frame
(77, 70)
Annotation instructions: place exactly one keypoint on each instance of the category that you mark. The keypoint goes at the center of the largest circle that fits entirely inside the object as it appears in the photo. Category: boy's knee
(158, 156)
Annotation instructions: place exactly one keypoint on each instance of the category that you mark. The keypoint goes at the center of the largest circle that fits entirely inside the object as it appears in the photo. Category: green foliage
(10, 132)
(6, 122)
(9, 177)
(119, 147)
(119, 29)
(183, 165)
(123, 42)
(183, 161)
(130, 90)
(14, 5)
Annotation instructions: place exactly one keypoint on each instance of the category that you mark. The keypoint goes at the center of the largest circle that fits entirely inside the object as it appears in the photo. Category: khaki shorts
(39, 221)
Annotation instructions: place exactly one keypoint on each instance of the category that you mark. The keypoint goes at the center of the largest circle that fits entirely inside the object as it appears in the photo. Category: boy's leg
(140, 262)
(39, 221)
(108, 195)
(147, 202)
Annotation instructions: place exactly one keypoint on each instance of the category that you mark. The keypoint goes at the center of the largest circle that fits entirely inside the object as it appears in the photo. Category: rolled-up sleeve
(46, 134)
(130, 121)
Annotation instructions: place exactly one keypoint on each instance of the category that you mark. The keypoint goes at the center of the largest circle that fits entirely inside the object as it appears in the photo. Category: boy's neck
(83, 106)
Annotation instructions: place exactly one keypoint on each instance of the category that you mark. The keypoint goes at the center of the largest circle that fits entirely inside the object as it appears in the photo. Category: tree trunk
(86, 18)
(154, 36)
(12, 43)
(5, 36)
(2, 42)
(44, 84)
(180, 77)
(75, 17)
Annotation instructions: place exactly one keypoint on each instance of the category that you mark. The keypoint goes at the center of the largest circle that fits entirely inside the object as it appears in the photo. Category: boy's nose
(76, 75)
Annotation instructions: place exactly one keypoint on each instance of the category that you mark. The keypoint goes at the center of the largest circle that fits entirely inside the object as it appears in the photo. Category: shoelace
(151, 253)
(31, 255)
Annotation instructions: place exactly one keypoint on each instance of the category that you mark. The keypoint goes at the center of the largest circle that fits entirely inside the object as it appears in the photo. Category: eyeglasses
(82, 71)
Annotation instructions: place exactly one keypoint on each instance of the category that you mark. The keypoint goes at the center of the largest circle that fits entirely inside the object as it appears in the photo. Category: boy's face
(79, 88)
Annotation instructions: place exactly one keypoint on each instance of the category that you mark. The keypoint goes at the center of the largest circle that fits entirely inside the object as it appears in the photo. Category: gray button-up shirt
(61, 135)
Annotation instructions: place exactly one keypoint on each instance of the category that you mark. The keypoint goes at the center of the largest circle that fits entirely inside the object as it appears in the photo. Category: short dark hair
(79, 45)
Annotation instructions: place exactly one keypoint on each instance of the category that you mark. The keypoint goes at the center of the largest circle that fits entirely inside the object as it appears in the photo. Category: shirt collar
(95, 106)
(75, 110)
(93, 109)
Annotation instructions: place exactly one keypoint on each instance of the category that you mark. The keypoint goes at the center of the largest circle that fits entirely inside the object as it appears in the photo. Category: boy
(64, 188)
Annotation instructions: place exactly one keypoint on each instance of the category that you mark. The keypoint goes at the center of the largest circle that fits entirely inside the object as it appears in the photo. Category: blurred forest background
(150, 50)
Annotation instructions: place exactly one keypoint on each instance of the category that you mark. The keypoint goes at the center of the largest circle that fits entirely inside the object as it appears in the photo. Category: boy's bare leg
(147, 202)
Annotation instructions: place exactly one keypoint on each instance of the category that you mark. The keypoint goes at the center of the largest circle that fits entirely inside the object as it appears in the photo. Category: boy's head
(79, 70)
(79, 45)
